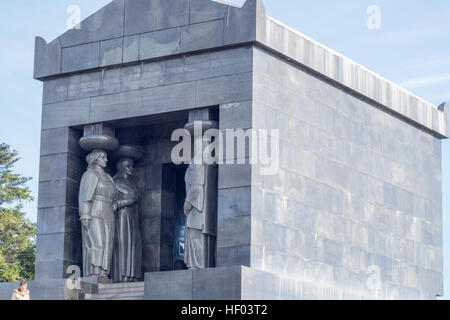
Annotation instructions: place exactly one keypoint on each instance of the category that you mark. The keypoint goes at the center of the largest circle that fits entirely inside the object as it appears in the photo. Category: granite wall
(357, 187)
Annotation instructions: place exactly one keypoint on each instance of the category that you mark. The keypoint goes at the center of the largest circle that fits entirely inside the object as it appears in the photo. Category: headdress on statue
(92, 157)
(205, 125)
(132, 152)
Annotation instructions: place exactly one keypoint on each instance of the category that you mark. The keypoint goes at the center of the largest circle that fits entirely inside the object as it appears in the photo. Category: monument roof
(132, 31)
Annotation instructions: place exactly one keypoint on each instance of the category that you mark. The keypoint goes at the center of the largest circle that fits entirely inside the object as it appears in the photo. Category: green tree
(17, 233)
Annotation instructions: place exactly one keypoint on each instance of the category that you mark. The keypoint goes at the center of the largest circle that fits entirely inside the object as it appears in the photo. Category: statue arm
(125, 203)
(126, 196)
(85, 211)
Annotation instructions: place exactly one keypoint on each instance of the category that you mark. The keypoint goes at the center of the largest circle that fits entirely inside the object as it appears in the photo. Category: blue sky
(412, 48)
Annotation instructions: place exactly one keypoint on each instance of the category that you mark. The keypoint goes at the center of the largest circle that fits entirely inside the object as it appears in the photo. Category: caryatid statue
(127, 256)
(97, 203)
(200, 206)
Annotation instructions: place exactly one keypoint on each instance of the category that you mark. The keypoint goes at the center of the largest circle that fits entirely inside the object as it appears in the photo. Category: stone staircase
(118, 291)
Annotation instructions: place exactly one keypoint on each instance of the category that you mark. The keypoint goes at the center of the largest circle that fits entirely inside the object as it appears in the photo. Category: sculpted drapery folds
(200, 208)
(127, 256)
(96, 207)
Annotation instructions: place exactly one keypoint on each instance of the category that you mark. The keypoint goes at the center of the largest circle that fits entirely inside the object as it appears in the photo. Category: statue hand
(86, 223)
(115, 205)
(187, 207)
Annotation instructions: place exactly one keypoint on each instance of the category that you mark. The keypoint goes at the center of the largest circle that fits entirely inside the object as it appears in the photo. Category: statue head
(97, 157)
(125, 165)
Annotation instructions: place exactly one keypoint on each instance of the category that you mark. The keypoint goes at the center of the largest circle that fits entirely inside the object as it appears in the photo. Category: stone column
(58, 229)
(201, 200)
(97, 201)
(235, 228)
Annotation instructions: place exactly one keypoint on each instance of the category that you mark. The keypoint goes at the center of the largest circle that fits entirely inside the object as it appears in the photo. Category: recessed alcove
(160, 182)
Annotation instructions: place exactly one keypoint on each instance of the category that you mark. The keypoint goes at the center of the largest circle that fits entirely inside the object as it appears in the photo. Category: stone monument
(352, 209)
(200, 205)
(127, 254)
(97, 203)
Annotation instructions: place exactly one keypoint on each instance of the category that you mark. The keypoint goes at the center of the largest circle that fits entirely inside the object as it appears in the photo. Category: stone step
(119, 290)
(119, 298)
(121, 285)
(115, 296)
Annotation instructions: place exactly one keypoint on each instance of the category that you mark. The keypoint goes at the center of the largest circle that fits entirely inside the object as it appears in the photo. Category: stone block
(150, 257)
(159, 43)
(236, 115)
(221, 63)
(55, 90)
(201, 114)
(233, 256)
(274, 236)
(131, 48)
(294, 240)
(259, 285)
(151, 227)
(58, 246)
(274, 261)
(304, 217)
(234, 175)
(53, 269)
(206, 10)
(234, 202)
(49, 290)
(58, 193)
(144, 102)
(53, 167)
(111, 52)
(166, 231)
(87, 84)
(224, 283)
(222, 90)
(233, 231)
(203, 35)
(64, 114)
(166, 257)
(237, 147)
(60, 140)
(81, 57)
(217, 283)
(107, 23)
(58, 220)
(244, 24)
(143, 16)
(171, 285)
(7, 289)
(61, 166)
(47, 58)
(333, 253)
(318, 196)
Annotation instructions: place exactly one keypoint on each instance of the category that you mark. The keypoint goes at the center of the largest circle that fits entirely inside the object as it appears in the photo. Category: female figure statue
(200, 208)
(127, 257)
(96, 208)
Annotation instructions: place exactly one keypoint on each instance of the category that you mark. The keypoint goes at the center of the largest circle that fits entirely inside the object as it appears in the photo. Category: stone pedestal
(226, 283)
